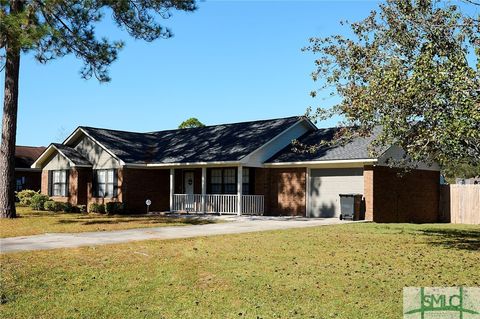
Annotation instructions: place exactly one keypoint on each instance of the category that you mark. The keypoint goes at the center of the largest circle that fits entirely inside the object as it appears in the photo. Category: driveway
(231, 225)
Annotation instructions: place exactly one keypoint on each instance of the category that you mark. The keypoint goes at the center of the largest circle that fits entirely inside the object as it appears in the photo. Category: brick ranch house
(239, 168)
(25, 176)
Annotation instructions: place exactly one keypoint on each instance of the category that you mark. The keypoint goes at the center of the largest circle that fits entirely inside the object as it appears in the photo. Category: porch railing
(218, 203)
(252, 204)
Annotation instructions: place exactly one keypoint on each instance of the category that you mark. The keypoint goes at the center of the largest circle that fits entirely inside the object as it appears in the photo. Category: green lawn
(30, 222)
(348, 271)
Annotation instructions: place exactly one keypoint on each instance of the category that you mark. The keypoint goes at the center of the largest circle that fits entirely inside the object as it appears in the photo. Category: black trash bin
(351, 206)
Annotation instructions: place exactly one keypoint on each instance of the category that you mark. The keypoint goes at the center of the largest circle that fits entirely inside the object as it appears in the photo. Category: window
(229, 181)
(59, 183)
(224, 181)
(246, 181)
(105, 183)
(20, 183)
(216, 181)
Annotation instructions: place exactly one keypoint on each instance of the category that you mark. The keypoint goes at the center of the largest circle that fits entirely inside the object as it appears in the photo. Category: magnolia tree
(54, 28)
(411, 68)
(190, 123)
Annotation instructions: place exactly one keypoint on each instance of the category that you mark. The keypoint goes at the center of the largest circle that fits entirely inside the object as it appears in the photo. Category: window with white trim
(59, 183)
(229, 181)
(216, 181)
(104, 183)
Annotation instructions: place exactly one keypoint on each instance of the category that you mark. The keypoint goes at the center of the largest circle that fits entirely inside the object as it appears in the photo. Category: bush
(38, 201)
(82, 208)
(113, 208)
(75, 209)
(97, 208)
(25, 197)
(49, 205)
(67, 207)
(53, 206)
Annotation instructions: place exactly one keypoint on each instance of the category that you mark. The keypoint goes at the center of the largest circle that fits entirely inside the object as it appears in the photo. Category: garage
(327, 184)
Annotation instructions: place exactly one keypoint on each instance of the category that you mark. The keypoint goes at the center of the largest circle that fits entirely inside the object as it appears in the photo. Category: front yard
(346, 271)
(30, 222)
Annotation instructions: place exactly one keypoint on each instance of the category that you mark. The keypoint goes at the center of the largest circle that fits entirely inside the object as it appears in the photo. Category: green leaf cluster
(412, 68)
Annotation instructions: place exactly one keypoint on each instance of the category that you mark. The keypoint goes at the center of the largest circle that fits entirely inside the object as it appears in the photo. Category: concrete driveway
(231, 225)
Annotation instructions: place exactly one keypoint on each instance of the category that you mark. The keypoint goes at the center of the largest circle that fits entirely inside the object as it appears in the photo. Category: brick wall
(368, 191)
(406, 197)
(285, 191)
(140, 184)
(77, 186)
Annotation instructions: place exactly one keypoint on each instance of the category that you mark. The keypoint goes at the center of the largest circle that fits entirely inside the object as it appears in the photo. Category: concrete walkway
(233, 225)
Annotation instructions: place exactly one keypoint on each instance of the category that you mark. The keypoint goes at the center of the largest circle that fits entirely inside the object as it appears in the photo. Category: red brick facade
(389, 197)
(284, 190)
(395, 197)
(78, 183)
(141, 184)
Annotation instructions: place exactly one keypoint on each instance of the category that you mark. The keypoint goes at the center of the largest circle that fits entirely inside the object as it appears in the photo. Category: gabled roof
(353, 150)
(218, 143)
(72, 155)
(26, 155)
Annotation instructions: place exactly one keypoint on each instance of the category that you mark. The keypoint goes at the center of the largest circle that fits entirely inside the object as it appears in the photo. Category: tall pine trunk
(9, 132)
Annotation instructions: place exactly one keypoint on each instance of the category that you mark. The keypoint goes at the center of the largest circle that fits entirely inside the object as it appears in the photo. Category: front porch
(222, 190)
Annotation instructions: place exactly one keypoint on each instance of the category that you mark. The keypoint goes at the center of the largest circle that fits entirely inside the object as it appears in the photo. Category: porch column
(239, 189)
(172, 189)
(204, 188)
(307, 195)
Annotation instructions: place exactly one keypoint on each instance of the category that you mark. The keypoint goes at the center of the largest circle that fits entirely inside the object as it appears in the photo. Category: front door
(188, 182)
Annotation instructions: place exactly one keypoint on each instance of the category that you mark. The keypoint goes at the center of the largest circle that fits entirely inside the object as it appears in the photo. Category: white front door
(188, 181)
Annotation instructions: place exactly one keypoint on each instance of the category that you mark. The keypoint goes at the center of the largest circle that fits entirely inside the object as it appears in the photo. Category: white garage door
(327, 184)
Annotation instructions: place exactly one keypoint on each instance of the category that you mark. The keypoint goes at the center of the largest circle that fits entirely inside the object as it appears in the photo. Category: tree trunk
(9, 131)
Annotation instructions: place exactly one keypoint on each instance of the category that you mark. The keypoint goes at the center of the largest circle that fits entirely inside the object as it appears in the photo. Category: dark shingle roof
(26, 155)
(72, 154)
(355, 149)
(227, 142)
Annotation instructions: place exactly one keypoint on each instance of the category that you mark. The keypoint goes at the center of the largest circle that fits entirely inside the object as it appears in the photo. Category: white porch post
(172, 184)
(307, 195)
(239, 189)
(204, 188)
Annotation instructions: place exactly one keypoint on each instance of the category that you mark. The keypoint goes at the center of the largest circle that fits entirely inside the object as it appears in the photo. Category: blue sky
(230, 61)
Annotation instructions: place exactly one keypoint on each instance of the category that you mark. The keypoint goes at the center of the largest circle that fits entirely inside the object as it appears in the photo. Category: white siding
(327, 184)
(95, 154)
(258, 157)
(57, 162)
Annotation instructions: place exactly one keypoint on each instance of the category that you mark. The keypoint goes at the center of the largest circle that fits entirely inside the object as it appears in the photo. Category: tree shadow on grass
(140, 220)
(463, 239)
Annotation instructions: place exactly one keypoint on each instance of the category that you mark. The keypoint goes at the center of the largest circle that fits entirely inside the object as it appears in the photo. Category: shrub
(82, 208)
(25, 197)
(97, 208)
(67, 207)
(75, 209)
(38, 201)
(113, 208)
(49, 205)
(53, 206)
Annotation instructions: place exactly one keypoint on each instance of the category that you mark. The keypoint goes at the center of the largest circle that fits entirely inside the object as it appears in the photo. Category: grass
(30, 222)
(345, 271)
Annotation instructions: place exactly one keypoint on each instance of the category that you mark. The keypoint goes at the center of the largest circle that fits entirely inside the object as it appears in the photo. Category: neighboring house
(25, 176)
(246, 168)
(468, 181)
